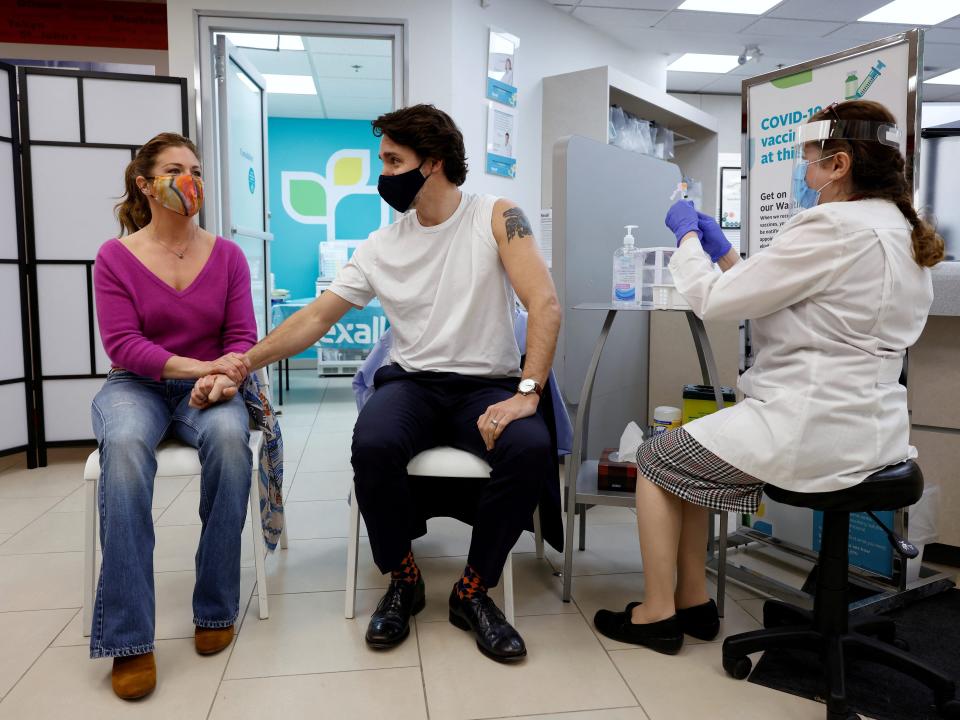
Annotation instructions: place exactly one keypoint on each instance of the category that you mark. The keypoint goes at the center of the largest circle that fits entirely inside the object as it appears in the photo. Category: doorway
(299, 193)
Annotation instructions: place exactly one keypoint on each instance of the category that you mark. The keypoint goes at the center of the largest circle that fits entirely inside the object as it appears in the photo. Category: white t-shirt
(444, 290)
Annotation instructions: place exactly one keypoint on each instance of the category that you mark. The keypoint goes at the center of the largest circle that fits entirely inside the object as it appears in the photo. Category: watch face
(527, 386)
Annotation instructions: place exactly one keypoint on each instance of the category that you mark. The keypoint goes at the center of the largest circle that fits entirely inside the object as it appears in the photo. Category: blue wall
(322, 196)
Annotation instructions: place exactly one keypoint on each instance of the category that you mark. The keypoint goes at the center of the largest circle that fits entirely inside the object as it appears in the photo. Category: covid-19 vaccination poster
(777, 107)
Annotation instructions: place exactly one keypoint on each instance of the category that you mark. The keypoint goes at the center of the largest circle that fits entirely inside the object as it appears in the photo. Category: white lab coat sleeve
(799, 263)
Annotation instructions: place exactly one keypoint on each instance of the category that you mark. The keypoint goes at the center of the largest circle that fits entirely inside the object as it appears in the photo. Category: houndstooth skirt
(680, 465)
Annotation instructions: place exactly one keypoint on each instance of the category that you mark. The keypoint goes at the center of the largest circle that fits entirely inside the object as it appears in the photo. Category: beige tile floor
(306, 660)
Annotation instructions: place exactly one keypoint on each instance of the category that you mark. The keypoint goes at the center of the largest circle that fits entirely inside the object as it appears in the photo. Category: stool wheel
(737, 667)
(949, 709)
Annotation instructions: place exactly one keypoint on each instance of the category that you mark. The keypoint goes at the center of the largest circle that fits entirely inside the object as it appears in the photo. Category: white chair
(436, 462)
(173, 459)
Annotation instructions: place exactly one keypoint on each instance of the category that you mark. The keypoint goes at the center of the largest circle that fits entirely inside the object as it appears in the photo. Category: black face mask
(400, 190)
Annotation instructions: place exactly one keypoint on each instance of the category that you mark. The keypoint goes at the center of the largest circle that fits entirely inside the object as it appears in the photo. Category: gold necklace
(179, 254)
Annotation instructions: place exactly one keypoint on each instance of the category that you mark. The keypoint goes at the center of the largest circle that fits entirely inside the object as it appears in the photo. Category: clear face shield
(808, 152)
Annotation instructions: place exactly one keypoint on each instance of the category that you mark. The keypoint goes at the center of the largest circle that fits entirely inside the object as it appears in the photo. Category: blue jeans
(131, 415)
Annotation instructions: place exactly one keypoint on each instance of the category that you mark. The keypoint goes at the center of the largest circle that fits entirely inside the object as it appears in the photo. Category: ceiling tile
(690, 21)
(940, 93)
(335, 87)
(858, 33)
(688, 82)
(283, 62)
(724, 84)
(633, 4)
(831, 10)
(602, 17)
(343, 66)
(348, 46)
(765, 64)
(942, 35)
(795, 28)
(939, 58)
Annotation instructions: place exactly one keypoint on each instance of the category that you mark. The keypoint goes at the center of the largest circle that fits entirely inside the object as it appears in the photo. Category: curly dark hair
(430, 133)
(879, 171)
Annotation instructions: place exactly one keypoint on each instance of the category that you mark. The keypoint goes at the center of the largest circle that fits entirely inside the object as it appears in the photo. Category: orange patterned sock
(470, 584)
(408, 570)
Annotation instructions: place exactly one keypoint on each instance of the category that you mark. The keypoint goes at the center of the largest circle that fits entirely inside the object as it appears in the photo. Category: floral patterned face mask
(181, 193)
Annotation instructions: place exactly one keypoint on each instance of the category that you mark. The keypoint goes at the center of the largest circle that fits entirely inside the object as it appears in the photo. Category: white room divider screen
(15, 384)
(78, 132)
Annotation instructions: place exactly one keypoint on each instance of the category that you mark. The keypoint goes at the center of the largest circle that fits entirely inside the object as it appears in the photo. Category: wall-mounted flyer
(501, 134)
(502, 68)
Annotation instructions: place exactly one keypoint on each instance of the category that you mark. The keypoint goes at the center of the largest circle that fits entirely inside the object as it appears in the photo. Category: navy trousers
(413, 411)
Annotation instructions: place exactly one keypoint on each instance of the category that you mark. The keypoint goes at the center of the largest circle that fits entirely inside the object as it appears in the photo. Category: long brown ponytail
(877, 171)
(133, 210)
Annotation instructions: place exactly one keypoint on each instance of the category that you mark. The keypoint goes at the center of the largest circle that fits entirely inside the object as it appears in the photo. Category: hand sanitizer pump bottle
(625, 272)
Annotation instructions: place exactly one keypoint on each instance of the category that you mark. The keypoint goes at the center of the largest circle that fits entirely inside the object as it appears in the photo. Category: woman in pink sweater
(173, 304)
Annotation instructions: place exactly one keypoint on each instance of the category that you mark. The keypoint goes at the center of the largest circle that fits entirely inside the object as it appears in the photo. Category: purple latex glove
(682, 219)
(714, 242)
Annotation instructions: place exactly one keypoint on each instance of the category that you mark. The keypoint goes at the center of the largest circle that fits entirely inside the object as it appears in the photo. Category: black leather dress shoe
(496, 638)
(700, 621)
(390, 622)
(664, 636)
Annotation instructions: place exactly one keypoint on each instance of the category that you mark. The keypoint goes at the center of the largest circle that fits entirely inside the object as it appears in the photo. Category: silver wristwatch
(529, 386)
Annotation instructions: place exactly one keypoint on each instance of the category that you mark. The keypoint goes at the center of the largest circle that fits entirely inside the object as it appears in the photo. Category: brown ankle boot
(210, 641)
(134, 676)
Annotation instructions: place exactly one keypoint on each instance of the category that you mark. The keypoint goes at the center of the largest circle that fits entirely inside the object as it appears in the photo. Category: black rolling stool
(827, 628)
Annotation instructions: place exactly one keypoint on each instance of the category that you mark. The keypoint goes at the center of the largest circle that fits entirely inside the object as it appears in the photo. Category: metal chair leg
(353, 546)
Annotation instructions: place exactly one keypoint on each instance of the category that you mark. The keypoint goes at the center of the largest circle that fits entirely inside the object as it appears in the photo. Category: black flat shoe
(390, 622)
(496, 638)
(664, 636)
(700, 621)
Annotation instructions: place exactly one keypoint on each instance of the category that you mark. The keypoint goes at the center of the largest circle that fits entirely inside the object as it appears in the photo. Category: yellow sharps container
(698, 400)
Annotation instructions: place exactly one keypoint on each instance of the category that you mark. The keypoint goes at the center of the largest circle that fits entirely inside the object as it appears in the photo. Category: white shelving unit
(578, 103)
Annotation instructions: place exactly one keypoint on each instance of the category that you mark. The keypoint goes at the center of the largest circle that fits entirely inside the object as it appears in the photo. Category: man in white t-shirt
(445, 273)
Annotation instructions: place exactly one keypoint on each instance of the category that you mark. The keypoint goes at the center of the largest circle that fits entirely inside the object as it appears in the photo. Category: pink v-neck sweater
(144, 321)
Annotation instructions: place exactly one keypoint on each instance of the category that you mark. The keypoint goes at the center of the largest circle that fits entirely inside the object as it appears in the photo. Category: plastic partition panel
(14, 416)
(74, 192)
(8, 207)
(113, 110)
(64, 328)
(53, 109)
(5, 124)
(597, 189)
(66, 408)
(11, 359)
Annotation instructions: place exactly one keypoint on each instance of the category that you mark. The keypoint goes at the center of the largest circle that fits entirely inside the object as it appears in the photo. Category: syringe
(870, 78)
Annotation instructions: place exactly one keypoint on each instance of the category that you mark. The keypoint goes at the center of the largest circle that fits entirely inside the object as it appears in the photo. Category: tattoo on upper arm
(517, 224)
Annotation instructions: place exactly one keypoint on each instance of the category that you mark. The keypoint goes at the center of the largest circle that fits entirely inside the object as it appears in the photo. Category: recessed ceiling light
(947, 78)
(704, 63)
(911, 12)
(258, 41)
(290, 84)
(741, 7)
(291, 42)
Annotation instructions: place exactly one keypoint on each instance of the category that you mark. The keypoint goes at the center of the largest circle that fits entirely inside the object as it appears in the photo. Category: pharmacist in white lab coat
(841, 293)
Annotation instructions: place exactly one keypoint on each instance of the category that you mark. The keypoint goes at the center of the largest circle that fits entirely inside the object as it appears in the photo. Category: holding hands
(211, 389)
(234, 365)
